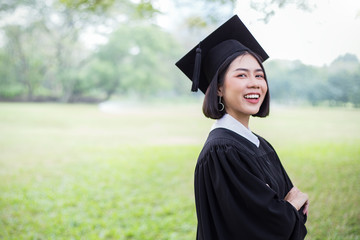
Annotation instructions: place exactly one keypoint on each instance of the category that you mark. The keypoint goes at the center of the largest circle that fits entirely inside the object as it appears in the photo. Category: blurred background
(93, 51)
(99, 132)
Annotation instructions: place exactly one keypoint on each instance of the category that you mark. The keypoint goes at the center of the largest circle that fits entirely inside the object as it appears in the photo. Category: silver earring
(221, 105)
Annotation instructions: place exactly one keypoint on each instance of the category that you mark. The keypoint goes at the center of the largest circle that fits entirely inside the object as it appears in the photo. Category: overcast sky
(331, 29)
(317, 37)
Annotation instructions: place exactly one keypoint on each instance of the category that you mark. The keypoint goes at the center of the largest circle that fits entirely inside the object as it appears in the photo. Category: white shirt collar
(230, 123)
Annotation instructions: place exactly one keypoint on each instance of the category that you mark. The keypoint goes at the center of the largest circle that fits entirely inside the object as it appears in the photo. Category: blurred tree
(344, 80)
(43, 52)
(346, 62)
(132, 9)
(212, 11)
(9, 87)
(138, 59)
(269, 7)
(43, 41)
(23, 57)
(294, 82)
(70, 55)
(101, 77)
(354, 95)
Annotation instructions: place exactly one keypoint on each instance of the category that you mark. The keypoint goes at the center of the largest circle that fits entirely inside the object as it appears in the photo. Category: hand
(298, 199)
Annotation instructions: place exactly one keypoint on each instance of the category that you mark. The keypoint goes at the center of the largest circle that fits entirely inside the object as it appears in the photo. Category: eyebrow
(247, 70)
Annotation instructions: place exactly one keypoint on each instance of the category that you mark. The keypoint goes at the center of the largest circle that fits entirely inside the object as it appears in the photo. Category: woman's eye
(260, 76)
(241, 75)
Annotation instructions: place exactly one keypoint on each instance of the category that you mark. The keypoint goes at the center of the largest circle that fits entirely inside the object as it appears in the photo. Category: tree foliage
(268, 8)
(336, 85)
(44, 56)
(142, 58)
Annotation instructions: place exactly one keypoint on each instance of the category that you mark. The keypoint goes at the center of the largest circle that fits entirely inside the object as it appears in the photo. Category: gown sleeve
(233, 202)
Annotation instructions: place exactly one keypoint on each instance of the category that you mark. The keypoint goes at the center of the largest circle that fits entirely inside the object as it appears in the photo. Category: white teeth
(252, 96)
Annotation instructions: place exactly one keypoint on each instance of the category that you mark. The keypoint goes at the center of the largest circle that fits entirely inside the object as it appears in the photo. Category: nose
(253, 82)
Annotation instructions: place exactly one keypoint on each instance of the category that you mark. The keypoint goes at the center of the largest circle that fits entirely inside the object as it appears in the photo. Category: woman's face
(244, 87)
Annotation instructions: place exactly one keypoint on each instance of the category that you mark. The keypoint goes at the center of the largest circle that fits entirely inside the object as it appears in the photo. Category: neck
(243, 119)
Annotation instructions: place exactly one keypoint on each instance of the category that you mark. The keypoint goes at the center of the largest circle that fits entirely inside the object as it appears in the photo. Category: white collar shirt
(230, 123)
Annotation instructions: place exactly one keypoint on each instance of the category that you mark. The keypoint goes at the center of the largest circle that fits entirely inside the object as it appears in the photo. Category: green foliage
(89, 5)
(22, 66)
(269, 7)
(145, 8)
(9, 88)
(41, 50)
(101, 76)
(142, 9)
(337, 84)
(143, 57)
(43, 56)
(46, 58)
(344, 80)
(73, 172)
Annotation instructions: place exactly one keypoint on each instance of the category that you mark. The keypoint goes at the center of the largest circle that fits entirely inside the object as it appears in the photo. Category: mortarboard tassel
(197, 68)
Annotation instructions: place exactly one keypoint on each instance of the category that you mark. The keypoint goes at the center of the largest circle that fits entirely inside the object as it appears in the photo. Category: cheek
(231, 89)
(264, 86)
(234, 96)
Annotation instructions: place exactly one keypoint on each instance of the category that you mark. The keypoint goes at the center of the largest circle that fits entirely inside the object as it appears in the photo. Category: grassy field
(75, 172)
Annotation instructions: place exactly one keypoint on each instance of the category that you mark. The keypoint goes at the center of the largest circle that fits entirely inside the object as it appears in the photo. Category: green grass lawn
(75, 172)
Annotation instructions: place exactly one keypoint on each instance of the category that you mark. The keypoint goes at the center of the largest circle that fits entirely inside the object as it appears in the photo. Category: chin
(253, 111)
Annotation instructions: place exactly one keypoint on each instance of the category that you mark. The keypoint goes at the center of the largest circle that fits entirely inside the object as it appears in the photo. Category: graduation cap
(201, 64)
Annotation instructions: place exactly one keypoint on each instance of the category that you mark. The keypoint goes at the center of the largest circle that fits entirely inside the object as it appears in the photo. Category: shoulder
(265, 144)
(224, 142)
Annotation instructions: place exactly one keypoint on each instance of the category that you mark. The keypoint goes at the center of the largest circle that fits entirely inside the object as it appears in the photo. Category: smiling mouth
(252, 96)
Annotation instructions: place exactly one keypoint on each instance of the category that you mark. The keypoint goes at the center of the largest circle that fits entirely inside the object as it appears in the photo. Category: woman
(242, 190)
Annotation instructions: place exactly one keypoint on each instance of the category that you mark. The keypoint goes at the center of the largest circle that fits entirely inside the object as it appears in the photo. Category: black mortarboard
(229, 38)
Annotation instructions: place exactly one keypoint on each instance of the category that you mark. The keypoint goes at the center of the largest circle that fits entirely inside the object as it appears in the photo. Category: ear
(220, 91)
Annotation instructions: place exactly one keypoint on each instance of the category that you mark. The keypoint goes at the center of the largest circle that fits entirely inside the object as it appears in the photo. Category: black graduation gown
(240, 190)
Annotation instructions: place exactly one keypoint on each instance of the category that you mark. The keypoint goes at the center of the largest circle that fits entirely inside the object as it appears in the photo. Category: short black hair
(211, 101)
